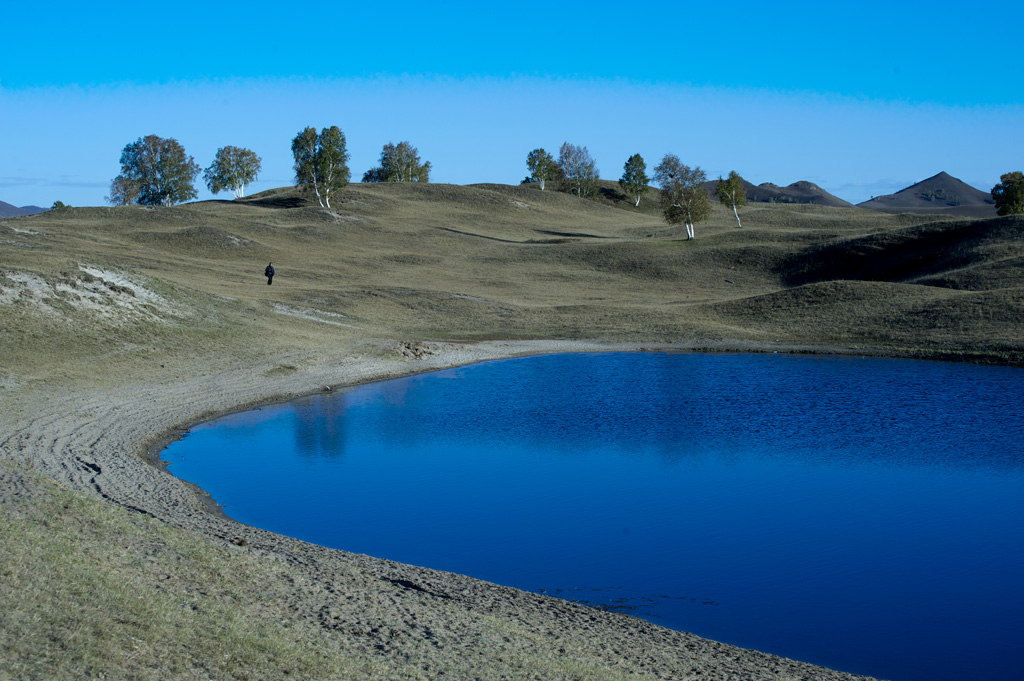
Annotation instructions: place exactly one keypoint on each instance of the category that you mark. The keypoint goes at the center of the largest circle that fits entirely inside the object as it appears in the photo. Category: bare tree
(578, 169)
(123, 192)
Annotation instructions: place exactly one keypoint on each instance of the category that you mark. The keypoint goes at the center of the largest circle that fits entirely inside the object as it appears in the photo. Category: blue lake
(864, 514)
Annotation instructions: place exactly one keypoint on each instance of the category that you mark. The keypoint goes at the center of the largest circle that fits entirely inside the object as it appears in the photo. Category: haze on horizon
(863, 100)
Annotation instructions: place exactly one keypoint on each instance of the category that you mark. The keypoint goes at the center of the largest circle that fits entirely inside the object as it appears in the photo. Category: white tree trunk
(542, 184)
(737, 214)
(689, 231)
(637, 204)
(316, 190)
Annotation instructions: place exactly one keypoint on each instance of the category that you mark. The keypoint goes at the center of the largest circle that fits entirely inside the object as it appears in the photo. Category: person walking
(269, 274)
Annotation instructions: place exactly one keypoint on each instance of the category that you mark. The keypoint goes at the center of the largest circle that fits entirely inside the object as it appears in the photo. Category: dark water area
(863, 514)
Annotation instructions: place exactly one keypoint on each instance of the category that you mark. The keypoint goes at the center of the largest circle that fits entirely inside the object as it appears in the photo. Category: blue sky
(862, 98)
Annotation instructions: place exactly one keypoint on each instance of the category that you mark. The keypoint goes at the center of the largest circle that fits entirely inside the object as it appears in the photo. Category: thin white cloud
(52, 182)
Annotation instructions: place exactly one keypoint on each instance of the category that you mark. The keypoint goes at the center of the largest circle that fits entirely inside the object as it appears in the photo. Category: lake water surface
(863, 514)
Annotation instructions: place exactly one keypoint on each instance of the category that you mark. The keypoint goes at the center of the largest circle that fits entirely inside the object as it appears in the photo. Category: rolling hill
(940, 194)
(797, 192)
(9, 211)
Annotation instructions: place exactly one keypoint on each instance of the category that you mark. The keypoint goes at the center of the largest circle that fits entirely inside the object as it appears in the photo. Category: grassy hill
(941, 194)
(9, 211)
(797, 192)
(128, 301)
(447, 262)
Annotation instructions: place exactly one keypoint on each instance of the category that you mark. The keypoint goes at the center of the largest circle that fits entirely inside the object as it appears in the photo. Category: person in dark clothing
(269, 274)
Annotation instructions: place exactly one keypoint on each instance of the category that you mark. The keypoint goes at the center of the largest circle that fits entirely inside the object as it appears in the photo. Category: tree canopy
(634, 178)
(154, 172)
(684, 198)
(232, 169)
(731, 193)
(123, 192)
(1009, 194)
(321, 162)
(542, 166)
(579, 174)
(399, 163)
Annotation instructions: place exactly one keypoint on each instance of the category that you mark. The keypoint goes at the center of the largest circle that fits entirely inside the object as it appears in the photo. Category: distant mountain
(798, 192)
(9, 211)
(941, 194)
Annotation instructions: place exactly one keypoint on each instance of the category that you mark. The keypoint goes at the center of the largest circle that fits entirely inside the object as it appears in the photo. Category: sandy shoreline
(106, 443)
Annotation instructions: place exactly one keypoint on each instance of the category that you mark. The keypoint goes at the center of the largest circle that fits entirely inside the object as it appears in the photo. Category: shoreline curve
(106, 443)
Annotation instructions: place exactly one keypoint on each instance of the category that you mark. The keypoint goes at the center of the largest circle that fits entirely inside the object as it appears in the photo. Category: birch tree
(155, 171)
(684, 198)
(542, 166)
(232, 169)
(399, 163)
(578, 170)
(731, 193)
(321, 162)
(634, 178)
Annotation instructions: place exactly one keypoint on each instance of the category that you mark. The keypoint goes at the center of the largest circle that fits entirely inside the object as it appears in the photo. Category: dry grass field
(133, 321)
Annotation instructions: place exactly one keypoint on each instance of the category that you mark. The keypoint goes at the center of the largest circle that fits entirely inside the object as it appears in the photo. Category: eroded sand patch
(114, 296)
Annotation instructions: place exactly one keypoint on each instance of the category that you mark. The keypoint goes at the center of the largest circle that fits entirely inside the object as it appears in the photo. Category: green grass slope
(445, 262)
(949, 289)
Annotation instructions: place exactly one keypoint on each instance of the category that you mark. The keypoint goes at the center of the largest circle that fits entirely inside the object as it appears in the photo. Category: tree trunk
(542, 184)
(316, 190)
(737, 214)
(637, 204)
